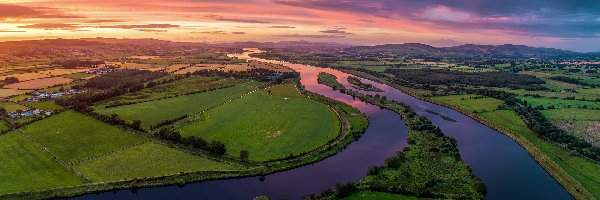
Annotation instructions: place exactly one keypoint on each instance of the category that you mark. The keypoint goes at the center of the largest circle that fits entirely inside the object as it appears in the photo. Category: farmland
(44, 105)
(153, 112)
(62, 135)
(145, 160)
(262, 124)
(11, 106)
(10, 92)
(25, 166)
(39, 83)
(472, 103)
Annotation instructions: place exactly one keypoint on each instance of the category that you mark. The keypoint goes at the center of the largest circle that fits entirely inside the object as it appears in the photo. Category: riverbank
(575, 188)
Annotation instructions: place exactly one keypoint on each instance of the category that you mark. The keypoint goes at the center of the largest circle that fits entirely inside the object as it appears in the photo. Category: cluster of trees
(571, 80)
(215, 147)
(449, 77)
(78, 63)
(9, 80)
(109, 85)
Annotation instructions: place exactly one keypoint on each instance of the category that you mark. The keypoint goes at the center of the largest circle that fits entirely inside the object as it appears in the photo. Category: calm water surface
(505, 167)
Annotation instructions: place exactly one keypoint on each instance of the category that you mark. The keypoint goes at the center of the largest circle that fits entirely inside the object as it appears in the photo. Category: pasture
(146, 160)
(268, 126)
(73, 136)
(153, 112)
(26, 167)
(470, 102)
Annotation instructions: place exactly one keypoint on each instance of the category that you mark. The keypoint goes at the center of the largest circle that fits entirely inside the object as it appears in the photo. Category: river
(505, 167)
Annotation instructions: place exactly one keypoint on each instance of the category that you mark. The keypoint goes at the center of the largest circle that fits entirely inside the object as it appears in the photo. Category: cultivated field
(39, 83)
(268, 126)
(60, 72)
(153, 112)
(25, 76)
(73, 136)
(11, 92)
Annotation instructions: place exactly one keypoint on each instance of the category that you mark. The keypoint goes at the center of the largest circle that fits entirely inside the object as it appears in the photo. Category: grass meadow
(44, 105)
(11, 106)
(470, 102)
(153, 112)
(73, 136)
(26, 167)
(268, 126)
(145, 160)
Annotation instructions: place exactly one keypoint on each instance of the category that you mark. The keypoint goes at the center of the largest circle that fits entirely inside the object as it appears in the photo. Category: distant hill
(468, 51)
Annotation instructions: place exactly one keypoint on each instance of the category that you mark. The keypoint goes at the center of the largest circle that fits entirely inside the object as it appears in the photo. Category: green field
(26, 167)
(583, 123)
(73, 136)
(268, 126)
(370, 195)
(12, 106)
(193, 84)
(285, 90)
(44, 105)
(146, 160)
(153, 112)
(20, 97)
(581, 169)
(470, 102)
(3, 126)
(559, 103)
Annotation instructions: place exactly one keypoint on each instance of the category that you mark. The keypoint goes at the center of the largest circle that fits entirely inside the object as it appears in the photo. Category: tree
(217, 147)
(244, 154)
(136, 124)
(3, 112)
(9, 80)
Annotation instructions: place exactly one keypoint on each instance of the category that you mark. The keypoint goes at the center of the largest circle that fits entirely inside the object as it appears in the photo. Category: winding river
(504, 166)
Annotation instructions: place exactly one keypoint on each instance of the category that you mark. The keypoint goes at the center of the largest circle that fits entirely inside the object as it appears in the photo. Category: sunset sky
(573, 25)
